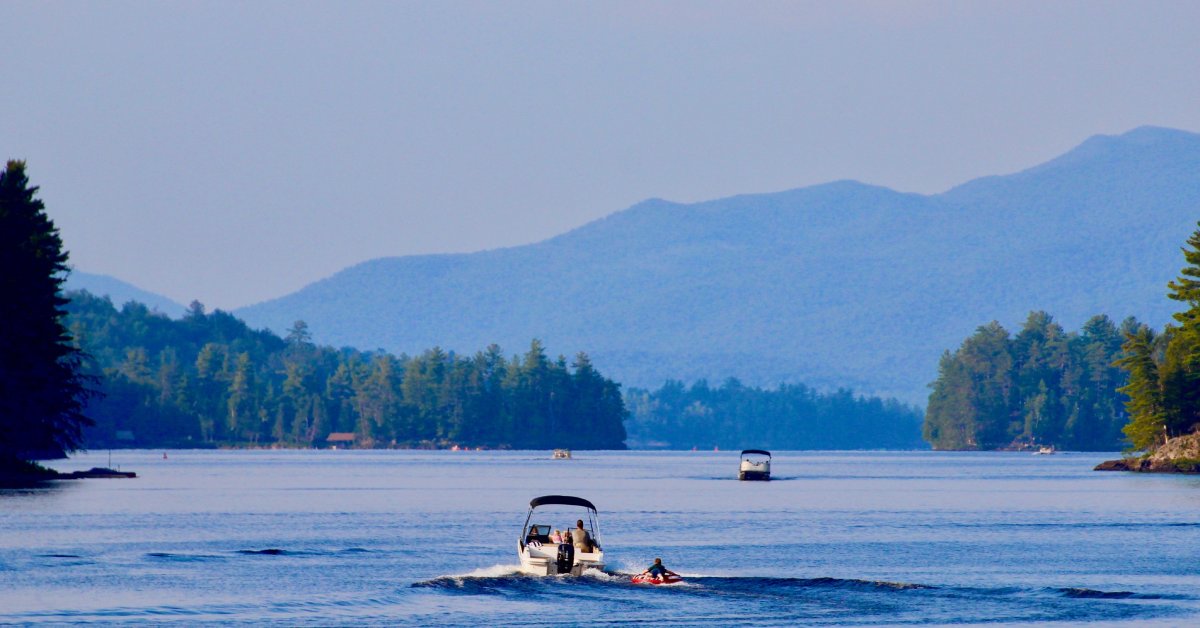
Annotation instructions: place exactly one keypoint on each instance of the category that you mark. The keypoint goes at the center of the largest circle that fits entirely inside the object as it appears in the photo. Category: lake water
(429, 538)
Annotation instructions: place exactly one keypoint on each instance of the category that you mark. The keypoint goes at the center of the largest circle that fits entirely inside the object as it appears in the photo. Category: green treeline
(791, 416)
(1041, 387)
(207, 379)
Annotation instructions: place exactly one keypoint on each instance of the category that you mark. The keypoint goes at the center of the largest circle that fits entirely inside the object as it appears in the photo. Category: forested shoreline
(790, 416)
(1040, 387)
(208, 380)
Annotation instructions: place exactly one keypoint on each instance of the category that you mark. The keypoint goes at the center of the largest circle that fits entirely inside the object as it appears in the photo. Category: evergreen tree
(1146, 427)
(42, 388)
(1186, 287)
(1180, 370)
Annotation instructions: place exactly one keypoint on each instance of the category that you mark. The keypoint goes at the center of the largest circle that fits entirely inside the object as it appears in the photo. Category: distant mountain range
(842, 284)
(120, 292)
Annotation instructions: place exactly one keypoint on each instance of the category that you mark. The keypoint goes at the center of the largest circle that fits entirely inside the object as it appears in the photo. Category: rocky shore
(21, 474)
(1178, 455)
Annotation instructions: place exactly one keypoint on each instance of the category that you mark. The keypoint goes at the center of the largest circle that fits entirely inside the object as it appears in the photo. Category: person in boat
(533, 534)
(557, 537)
(658, 571)
(581, 538)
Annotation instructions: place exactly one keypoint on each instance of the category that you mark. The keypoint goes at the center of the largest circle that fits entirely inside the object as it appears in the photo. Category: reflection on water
(351, 537)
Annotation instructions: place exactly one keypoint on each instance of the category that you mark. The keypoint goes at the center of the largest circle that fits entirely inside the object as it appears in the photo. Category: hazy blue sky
(233, 152)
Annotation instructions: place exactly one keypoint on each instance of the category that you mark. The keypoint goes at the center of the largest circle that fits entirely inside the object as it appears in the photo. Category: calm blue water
(397, 537)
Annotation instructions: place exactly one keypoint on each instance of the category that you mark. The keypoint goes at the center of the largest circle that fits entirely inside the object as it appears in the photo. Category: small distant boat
(648, 579)
(754, 467)
(1044, 450)
(561, 454)
(541, 556)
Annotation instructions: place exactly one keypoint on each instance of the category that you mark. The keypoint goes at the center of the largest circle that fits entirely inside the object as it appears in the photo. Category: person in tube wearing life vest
(658, 571)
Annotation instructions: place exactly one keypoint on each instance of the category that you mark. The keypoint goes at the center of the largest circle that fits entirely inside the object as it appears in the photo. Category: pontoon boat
(753, 467)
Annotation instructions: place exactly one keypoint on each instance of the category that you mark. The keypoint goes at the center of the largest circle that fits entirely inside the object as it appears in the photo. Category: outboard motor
(566, 558)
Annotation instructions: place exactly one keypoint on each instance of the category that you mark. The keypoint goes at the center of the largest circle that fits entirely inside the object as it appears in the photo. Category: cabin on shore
(340, 439)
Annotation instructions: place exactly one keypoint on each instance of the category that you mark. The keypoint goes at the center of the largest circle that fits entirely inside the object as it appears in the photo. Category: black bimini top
(565, 500)
(756, 451)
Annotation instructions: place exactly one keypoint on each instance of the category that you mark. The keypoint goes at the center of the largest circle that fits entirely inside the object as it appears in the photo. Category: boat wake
(821, 600)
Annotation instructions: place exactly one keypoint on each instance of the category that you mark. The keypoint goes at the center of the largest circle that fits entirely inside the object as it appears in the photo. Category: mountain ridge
(120, 292)
(838, 284)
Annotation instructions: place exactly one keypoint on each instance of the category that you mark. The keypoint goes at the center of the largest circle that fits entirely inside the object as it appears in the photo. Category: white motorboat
(542, 553)
(754, 465)
(561, 454)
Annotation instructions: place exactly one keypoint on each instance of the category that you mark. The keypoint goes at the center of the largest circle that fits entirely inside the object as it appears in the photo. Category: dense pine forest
(1043, 386)
(792, 416)
(207, 379)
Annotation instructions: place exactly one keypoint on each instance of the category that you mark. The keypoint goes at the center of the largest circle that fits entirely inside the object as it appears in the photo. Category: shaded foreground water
(406, 537)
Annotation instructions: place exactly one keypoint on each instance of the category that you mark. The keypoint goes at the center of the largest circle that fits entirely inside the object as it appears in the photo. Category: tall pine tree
(1180, 370)
(1146, 425)
(42, 389)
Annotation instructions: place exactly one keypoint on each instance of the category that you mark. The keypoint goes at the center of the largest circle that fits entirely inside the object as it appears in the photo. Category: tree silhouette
(42, 388)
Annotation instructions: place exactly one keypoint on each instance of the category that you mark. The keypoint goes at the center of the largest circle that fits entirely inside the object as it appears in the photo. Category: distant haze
(234, 152)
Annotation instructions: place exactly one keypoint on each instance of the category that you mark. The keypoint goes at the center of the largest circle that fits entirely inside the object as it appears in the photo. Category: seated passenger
(533, 534)
(557, 537)
(581, 538)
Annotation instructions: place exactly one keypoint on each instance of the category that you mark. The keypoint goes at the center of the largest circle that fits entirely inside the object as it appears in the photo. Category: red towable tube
(648, 579)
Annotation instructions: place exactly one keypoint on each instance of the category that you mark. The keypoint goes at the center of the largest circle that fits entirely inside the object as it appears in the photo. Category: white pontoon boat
(542, 556)
(754, 467)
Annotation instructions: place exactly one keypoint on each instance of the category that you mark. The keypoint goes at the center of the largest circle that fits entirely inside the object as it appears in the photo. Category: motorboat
(561, 454)
(755, 465)
(1044, 450)
(543, 553)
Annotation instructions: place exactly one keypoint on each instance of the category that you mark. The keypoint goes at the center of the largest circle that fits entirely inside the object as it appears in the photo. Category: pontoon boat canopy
(565, 500)
(756, 451)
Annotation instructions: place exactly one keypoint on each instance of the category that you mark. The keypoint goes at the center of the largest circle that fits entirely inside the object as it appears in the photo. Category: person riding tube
(658, 571)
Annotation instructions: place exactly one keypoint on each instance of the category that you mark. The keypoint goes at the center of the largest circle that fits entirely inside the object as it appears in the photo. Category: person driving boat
(581, 538)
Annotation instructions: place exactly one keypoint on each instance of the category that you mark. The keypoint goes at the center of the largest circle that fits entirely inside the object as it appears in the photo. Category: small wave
(605, 576)
(747, 583)
(270, 551)
(276, 551)
(59, 556)
(185, 558)
(495, 571)
(1106, 595)
(733, 478)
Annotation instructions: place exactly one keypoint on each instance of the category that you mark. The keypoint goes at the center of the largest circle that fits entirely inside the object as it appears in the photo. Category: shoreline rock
(32, 475)
(1178, 455)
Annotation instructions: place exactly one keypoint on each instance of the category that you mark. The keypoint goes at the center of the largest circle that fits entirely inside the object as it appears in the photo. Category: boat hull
(754, 476)
(541, 561)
